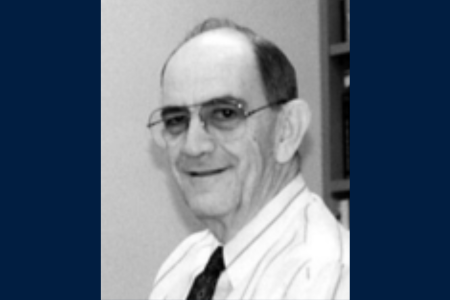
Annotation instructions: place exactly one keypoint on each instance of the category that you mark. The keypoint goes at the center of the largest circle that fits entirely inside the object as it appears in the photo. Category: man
(231, 125)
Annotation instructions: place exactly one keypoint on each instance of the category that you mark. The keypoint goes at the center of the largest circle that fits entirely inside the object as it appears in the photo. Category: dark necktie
(205, 283)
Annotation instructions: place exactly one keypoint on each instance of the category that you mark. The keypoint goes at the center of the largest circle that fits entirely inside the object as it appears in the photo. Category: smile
(206, 173)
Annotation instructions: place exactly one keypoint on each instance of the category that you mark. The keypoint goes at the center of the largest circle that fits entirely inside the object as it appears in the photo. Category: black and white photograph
(225, 149)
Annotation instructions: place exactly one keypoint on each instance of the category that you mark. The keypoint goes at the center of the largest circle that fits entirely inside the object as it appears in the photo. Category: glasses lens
(223, 115)
(175, 120)
(223, 119)
(168, 123)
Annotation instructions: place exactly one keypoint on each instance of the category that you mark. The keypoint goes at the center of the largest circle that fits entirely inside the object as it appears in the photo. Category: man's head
(228, 173)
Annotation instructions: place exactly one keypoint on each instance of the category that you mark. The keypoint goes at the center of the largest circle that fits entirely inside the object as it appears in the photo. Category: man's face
(219, 178)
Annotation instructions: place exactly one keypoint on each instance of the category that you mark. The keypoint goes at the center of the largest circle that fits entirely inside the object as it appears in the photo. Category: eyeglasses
(224, 119)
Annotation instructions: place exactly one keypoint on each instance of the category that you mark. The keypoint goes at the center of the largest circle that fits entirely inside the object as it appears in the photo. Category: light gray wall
(142, 219)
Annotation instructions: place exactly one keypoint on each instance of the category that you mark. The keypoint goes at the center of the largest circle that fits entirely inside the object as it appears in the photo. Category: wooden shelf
(341, 185)
(340, 49)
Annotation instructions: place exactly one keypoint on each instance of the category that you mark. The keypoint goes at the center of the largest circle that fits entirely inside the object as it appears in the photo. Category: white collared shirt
(293, 249)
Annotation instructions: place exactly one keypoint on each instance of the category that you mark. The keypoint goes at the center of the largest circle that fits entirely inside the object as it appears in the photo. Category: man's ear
(293, 122)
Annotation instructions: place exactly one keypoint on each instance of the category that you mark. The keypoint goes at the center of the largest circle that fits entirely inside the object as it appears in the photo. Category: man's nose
(197, 140)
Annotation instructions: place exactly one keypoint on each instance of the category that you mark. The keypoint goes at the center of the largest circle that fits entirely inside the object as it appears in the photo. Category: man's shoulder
(326, 237)
(323, 268)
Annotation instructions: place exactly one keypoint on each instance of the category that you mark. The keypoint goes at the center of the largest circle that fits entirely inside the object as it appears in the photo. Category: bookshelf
(335, 67)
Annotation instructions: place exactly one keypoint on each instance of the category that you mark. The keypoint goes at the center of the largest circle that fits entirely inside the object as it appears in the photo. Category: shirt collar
(246, 249)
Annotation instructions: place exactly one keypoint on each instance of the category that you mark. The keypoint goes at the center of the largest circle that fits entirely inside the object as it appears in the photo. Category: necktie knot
(216, 263)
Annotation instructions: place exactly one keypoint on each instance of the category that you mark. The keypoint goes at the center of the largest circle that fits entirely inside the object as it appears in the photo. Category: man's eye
(175, 124)
(225, 114)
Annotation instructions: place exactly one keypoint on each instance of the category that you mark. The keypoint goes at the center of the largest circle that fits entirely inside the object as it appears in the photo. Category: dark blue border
(51, 149)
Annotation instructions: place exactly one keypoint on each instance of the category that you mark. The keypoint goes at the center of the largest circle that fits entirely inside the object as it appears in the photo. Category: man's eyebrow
(226, 98)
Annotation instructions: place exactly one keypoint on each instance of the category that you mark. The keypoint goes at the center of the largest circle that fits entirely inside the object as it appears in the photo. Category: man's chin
(208, 204)
(208, 212)
(208, 196)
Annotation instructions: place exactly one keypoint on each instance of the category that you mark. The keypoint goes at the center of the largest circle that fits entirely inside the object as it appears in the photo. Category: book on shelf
(345, 20)
(346, 123)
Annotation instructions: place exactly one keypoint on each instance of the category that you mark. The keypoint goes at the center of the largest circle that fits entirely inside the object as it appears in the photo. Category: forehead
(212, 65)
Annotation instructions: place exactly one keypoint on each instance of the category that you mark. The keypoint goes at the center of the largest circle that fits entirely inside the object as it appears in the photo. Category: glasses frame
(239, 103)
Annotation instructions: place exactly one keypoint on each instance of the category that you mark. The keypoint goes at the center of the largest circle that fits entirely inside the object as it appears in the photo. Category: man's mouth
(206, 173)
